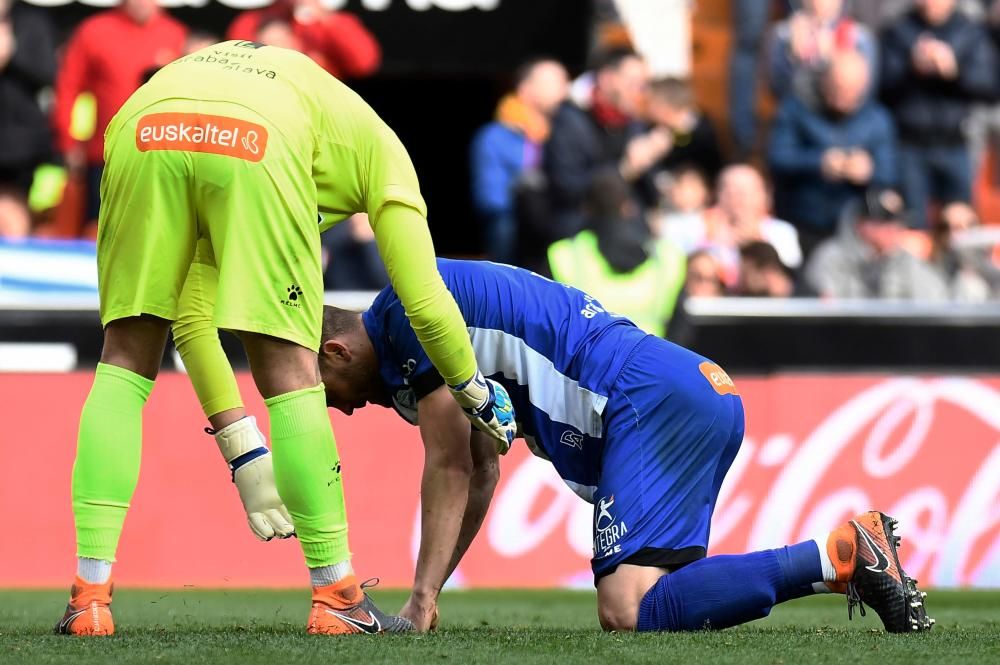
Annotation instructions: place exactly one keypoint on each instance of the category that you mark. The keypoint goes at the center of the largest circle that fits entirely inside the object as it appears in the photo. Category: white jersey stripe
(554, 393)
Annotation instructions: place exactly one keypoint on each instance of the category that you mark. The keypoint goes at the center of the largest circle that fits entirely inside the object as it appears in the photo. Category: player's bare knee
(620, 593)
(618, 617)
(136, 344)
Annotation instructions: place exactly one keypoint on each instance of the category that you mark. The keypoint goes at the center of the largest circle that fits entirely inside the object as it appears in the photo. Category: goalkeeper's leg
(307, 473)
(107, 464)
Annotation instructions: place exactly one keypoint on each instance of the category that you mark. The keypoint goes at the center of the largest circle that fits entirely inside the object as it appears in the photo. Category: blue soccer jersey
(553, 347)
(643, 429)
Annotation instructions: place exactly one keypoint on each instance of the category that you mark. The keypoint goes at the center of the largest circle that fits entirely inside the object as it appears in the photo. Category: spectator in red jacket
(338, 41)
(109, 55)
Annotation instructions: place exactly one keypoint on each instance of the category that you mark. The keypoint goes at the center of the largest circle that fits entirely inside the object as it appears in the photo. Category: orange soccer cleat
(88, 611)
(344, 608)
(863, 552)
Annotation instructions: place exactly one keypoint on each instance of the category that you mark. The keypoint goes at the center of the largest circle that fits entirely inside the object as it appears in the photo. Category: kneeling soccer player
(215, 172)
(643, 429)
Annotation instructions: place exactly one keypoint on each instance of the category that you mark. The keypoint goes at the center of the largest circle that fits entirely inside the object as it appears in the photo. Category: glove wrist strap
(238, 438)
(472, 395)
(245, 459)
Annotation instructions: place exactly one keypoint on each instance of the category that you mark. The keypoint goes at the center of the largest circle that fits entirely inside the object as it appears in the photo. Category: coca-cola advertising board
(818, 449)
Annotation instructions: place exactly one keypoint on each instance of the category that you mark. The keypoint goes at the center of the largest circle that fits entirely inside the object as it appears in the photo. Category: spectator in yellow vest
(617, 260)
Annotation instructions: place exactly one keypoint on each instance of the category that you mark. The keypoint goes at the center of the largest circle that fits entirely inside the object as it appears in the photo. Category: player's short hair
(612, 58)
(761, 255)
(337, 322)
(673, 91)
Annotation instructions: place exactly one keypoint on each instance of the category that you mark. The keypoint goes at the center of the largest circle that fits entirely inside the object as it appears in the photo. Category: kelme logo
(292, 297)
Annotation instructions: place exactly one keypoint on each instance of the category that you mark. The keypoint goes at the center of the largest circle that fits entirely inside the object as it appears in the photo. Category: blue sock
(724, 591)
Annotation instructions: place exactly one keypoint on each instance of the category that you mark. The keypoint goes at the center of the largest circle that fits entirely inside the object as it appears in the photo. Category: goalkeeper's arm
(240, 441)
(404, 243)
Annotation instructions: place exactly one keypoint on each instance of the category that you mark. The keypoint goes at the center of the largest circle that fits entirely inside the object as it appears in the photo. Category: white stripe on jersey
(585, 492)
(554, 393)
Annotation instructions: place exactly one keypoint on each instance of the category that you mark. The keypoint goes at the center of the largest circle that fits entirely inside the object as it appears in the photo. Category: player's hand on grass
(243, 447)
(488, 406)
(422, 612)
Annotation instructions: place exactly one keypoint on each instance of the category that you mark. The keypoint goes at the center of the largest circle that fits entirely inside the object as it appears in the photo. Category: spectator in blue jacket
(936, 63)
(821, 159)
(505, 148)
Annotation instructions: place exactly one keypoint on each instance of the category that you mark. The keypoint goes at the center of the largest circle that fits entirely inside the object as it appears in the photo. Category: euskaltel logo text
(198, 132)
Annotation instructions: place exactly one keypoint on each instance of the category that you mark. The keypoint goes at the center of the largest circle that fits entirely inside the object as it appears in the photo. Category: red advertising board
(818, 449)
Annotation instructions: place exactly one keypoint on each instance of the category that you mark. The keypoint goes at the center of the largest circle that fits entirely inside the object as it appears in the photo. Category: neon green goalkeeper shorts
(182, 169)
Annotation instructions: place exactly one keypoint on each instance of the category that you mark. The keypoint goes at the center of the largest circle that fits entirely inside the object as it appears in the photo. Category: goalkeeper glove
(488, 406)
(243, 447)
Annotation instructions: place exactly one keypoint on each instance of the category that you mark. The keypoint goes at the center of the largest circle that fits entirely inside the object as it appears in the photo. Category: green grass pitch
(495, 627)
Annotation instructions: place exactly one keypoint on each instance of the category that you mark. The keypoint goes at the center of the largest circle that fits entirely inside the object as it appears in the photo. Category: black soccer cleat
(864, 552)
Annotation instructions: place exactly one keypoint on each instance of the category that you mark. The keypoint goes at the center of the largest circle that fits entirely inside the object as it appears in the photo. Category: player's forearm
(481, 488)
(482, 484)
(406, 249)
(443, 500)
(444, 490)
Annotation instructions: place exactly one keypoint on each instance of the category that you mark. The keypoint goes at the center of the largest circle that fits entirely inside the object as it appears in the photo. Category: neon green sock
(307, 474)
(107, 459)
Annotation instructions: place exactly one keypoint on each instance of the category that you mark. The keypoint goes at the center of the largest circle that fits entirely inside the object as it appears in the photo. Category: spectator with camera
(823, 158)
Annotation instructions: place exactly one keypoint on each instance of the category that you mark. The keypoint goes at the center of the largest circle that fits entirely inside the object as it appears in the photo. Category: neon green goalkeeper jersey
(258, 149)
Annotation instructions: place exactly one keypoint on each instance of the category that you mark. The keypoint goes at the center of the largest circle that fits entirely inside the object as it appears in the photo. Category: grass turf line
(497, 627)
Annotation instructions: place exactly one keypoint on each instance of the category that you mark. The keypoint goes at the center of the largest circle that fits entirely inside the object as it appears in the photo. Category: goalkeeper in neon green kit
(215, 171)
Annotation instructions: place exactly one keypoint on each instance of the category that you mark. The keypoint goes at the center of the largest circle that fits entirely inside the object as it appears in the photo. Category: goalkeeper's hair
(337, 322)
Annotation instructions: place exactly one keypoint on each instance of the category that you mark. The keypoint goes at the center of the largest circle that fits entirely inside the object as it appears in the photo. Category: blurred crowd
(861, 182)
(56, 104)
